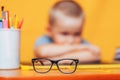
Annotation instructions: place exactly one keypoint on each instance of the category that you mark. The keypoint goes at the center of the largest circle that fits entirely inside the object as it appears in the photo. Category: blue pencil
(0, 23)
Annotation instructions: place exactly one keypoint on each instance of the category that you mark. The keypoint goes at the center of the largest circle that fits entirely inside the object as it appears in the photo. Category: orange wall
(102, 26)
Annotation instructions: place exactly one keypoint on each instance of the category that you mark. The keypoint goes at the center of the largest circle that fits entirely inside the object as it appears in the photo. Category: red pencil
(20, 24)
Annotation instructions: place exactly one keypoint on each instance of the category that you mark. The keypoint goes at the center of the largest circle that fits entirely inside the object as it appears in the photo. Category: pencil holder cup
(9, 49)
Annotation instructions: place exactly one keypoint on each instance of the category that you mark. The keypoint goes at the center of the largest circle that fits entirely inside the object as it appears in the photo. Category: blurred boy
(64, 35)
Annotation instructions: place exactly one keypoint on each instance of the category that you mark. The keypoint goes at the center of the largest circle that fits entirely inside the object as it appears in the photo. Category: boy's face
(67, 31)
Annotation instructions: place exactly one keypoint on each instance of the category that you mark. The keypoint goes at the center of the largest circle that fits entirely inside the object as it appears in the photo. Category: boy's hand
(93, 49)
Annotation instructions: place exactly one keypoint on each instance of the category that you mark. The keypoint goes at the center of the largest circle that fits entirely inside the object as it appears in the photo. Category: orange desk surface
(81, 74)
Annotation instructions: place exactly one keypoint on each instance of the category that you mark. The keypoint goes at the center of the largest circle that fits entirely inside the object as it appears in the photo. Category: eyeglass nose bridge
(54, 62)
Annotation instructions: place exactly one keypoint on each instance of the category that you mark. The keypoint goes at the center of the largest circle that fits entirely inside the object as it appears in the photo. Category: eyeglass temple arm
(71, 62)
(41, 62)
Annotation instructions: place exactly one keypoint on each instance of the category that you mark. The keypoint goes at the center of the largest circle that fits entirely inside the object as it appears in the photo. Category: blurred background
(102, 26)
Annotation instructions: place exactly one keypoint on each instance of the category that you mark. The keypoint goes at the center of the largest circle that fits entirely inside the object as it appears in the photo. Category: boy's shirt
(46, 40)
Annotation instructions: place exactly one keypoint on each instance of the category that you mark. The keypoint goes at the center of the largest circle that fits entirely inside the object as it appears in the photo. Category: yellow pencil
(10, 22)
(16, 22)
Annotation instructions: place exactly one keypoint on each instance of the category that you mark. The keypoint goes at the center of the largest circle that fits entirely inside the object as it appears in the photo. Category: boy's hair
(67, 7)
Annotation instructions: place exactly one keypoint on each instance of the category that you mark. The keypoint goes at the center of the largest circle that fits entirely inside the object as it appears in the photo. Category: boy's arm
(52, 50)
(86, 56)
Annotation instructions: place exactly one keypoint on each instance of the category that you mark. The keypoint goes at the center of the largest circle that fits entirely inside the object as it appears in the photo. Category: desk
(81, 74)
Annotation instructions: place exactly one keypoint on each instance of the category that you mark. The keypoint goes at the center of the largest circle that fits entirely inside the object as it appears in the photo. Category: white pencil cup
(9, 49)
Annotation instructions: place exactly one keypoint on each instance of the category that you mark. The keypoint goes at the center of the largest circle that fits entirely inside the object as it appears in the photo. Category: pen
(7, 18)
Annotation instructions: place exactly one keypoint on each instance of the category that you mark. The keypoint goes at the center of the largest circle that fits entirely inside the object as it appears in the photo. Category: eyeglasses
(44, 65)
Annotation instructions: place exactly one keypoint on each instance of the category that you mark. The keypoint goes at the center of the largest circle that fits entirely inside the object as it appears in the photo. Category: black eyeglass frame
(56, 63)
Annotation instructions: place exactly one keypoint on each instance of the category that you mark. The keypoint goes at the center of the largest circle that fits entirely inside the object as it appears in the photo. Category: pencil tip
(2, 8)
